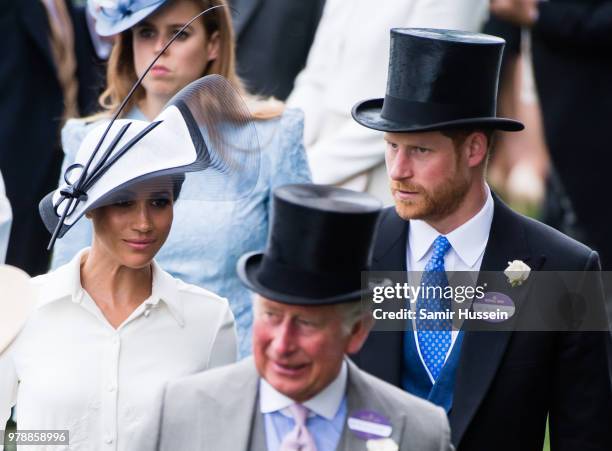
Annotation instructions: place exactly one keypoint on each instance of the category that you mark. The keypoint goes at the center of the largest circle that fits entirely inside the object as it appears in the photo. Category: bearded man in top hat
(299, 391)
(498, 387)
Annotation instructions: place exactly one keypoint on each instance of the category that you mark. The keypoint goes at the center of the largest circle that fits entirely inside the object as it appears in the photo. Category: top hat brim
(368, 114)
(248, 269)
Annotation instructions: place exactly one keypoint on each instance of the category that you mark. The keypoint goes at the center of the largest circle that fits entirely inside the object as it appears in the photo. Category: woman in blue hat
(207, 237)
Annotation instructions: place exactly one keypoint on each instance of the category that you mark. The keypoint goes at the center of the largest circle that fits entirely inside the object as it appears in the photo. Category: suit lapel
(235, 410)
(34, 16)
(389, 255)
(390, 249)
(482, 351)
(245, 10)
(359, 396)
(257, 439)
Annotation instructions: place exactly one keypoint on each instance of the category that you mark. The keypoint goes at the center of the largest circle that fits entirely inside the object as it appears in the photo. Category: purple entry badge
(367, 425)
(493, 302)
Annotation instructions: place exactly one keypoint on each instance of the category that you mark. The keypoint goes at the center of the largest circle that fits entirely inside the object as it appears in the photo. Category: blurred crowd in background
(321, 57)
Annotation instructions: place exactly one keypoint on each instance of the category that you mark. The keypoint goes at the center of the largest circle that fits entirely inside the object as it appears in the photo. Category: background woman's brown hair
(121, 74)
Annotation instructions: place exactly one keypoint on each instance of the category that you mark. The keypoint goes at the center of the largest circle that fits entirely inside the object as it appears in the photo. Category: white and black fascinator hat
(205, 132)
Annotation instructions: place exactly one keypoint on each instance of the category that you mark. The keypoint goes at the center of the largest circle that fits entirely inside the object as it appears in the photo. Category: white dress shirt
(70, 369)
(6, 218)
(325, 403)
(326, 417)
(468, 243)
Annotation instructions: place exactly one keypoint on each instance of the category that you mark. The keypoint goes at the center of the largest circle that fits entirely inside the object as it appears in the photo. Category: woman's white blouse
(70, 369)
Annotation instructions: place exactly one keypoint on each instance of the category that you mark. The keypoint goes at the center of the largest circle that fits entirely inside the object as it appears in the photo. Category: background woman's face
(184, 61)
(132, 231)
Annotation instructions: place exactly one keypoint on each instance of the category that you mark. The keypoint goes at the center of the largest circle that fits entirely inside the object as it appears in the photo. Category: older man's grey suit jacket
(219, 410)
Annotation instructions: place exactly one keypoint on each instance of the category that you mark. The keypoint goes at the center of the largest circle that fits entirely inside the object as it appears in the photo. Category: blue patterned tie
(434, 335)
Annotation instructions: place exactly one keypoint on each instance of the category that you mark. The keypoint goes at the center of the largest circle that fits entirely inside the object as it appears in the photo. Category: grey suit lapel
(361, 397)
(258, 441)
(228, 425)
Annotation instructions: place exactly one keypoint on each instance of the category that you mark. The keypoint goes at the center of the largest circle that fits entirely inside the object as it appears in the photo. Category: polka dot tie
(434, 335)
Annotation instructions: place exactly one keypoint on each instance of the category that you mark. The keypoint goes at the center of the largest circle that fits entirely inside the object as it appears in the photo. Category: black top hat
(319, 243)
(438, 79)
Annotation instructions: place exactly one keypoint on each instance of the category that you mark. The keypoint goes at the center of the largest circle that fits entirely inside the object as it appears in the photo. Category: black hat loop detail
(71, 192)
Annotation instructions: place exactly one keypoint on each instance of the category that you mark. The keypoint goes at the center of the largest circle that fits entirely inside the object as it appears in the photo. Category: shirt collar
(325, 404)
(165, 289)
(468, 240)
(65, 283)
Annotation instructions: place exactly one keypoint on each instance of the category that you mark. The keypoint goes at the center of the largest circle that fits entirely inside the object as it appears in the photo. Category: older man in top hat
(497, 387)
(299, 391)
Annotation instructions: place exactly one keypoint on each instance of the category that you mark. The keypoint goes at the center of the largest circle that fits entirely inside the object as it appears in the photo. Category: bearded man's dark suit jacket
(30, 118)
(506, 383)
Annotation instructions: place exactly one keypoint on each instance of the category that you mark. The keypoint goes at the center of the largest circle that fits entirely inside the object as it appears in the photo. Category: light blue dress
(208, 237)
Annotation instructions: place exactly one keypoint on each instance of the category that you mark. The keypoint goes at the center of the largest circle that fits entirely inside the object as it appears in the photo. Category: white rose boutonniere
(381, 444)
(517, 272)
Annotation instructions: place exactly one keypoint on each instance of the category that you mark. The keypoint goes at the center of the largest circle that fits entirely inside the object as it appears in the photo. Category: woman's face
(184, 61)
(132, 231)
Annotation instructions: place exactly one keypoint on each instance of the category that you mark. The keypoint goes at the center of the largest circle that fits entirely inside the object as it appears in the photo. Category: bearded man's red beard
(439, 202)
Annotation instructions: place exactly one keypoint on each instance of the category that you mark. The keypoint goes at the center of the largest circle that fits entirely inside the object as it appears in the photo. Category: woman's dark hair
(177, 185)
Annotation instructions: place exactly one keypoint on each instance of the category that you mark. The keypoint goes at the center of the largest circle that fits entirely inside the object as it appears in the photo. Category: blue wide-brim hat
(114, 16)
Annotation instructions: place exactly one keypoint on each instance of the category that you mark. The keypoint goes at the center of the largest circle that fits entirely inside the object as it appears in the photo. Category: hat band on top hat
(402, 110)
(297, 282)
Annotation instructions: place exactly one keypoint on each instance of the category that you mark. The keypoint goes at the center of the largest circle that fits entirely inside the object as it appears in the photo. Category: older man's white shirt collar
(468, 240)
(68, 286)
(325, 404)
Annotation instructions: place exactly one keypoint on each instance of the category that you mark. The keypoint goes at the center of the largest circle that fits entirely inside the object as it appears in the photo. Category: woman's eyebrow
(160, 194)
(179, 25)
(145, 24)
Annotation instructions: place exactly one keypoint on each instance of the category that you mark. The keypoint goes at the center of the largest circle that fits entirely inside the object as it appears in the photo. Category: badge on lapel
(369, 425)
(381, 444)
(494, 303)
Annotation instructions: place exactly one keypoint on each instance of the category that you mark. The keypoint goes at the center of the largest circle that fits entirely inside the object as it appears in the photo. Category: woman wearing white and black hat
(208, 237)
(111, 327)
